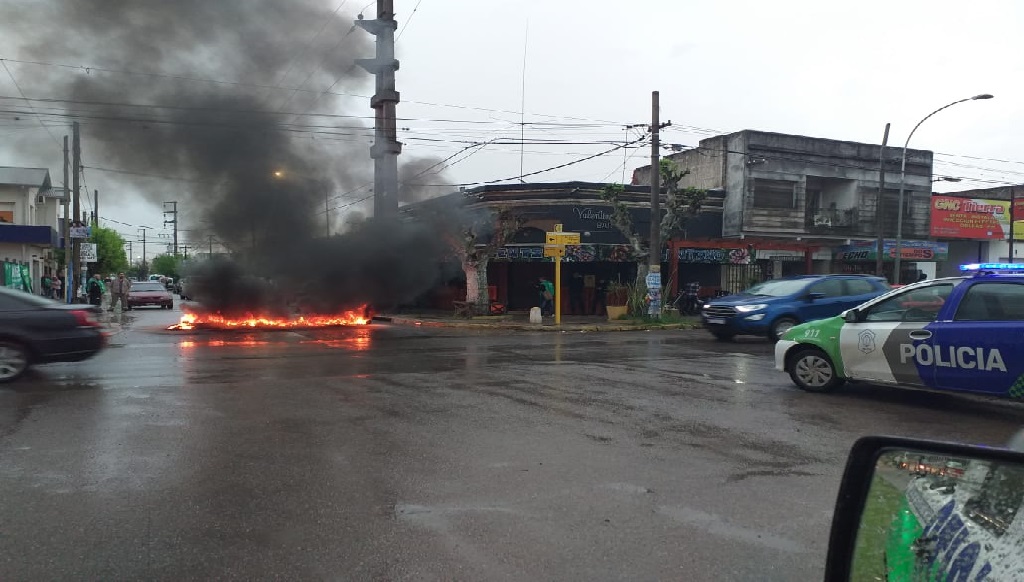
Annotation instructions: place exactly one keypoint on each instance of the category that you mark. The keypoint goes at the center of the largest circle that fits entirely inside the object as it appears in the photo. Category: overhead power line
(88, 69)
(408, 20)
(29, 103)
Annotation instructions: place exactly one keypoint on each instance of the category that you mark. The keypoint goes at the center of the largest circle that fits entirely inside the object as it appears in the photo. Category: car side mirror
(813, 296)
(910, 509)
(851, 316)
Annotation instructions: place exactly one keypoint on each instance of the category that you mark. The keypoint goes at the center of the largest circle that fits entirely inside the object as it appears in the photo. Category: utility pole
(130, 255)
(327, 211)
(144, 249)
(1013, 218)
(211, 246)
(654, 277)
(96, 207)
(174, 221)
(76, 172)
(386, 147)
(880, 243)
(67, 225)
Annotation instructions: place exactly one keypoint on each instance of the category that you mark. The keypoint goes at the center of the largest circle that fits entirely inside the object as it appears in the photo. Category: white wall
(24, 202)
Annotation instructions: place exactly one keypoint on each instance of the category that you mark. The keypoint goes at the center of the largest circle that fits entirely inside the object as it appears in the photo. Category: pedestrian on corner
(46, 285)
(547, 295)
(95, 289)
(119, 289)
(56, 285)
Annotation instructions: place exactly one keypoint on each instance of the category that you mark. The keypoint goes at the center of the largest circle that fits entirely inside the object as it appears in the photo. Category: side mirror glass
(851, 316)
(922, 510)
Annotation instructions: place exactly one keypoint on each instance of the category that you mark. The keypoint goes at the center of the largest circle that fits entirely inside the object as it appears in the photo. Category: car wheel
(14, 360)
(780, 326)
(812, 370)
(722, 336)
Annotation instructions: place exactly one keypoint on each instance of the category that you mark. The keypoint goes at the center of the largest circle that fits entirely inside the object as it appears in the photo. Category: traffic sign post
(556, 242)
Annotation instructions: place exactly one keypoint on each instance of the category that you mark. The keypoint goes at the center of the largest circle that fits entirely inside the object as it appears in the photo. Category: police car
(963, 334)
(965, 528)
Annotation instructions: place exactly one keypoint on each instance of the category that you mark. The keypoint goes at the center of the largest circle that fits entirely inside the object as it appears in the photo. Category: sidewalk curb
(469, 324)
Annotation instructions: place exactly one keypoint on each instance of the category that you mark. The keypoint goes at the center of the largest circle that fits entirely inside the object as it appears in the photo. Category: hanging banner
(970, 218)
(716, 256)
(26, 278)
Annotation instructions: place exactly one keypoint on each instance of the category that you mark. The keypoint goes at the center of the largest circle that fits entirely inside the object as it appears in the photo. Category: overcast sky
(838, 70)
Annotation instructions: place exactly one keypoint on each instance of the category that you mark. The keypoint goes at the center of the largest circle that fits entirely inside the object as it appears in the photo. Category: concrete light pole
(903, 178)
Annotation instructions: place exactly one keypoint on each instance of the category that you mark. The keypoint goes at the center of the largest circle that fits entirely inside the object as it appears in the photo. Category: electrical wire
(22, 93)
(545, 170)
(408, 20)
(89, 68)
(291, 63)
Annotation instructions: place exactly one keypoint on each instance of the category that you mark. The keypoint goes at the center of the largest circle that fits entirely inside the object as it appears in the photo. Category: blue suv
(772, 307)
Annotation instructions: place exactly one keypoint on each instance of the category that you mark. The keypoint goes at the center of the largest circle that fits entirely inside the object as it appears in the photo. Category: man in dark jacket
(95, 289)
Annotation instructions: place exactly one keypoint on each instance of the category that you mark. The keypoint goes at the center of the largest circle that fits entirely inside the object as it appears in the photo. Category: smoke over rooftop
(257, 151)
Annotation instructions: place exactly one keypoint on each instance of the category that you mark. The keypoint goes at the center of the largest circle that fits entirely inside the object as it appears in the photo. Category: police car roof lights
(990, 268)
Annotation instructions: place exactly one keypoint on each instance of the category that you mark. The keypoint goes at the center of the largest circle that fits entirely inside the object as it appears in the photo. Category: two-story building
(29, 219)
(604, 255)
(818, 193)
(976, 224)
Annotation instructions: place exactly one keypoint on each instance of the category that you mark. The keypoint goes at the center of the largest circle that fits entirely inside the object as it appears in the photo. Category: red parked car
(150, 293)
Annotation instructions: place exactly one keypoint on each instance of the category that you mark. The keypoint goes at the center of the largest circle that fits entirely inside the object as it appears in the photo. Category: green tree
(679, 206)
(109, 251)
(167, 265)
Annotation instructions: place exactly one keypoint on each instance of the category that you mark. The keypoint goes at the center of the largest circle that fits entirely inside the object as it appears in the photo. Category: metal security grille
(736, 278)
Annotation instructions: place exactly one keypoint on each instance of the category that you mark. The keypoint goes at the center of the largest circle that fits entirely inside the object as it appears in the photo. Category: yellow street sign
(558, 227)
(562, 238)
(554, 251)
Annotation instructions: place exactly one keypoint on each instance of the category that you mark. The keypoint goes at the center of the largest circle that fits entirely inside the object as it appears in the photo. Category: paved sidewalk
(521, 322)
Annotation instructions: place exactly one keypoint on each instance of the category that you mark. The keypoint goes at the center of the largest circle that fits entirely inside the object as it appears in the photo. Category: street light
(945, 179)
(903, 178)
(327, 199)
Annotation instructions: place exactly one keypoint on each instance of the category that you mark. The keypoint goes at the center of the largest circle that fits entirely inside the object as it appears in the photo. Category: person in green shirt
(95, 289)
(547, 295)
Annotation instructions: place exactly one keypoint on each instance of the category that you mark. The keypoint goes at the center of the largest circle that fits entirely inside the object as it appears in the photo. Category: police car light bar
(990, 267)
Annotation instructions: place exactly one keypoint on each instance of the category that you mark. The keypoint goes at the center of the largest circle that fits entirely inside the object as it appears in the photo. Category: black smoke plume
(250, 165)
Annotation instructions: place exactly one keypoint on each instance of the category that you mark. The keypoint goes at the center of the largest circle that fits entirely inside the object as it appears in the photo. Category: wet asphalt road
(398, 453)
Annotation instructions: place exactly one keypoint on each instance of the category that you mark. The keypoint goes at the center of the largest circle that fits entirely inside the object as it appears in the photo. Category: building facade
(29, 222)
(819, 193)
(603, 257)
(977, 224)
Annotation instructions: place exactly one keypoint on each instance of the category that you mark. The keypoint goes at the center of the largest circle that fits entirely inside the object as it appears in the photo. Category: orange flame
(250, 321)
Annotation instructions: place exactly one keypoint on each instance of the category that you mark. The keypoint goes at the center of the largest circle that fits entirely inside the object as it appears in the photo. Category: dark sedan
(36, 330)
(150, 293)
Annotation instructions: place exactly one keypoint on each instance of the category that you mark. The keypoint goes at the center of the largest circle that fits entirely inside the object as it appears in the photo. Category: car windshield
(148, 287)
(777, 288)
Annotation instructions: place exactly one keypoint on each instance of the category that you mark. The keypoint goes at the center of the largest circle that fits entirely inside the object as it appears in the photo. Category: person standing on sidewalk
(46, 286)
(119, 289)
(57, 287)
(547, 294)
(95, 290)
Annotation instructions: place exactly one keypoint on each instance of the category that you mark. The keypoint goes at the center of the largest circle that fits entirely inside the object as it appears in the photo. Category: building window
(779, 194)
